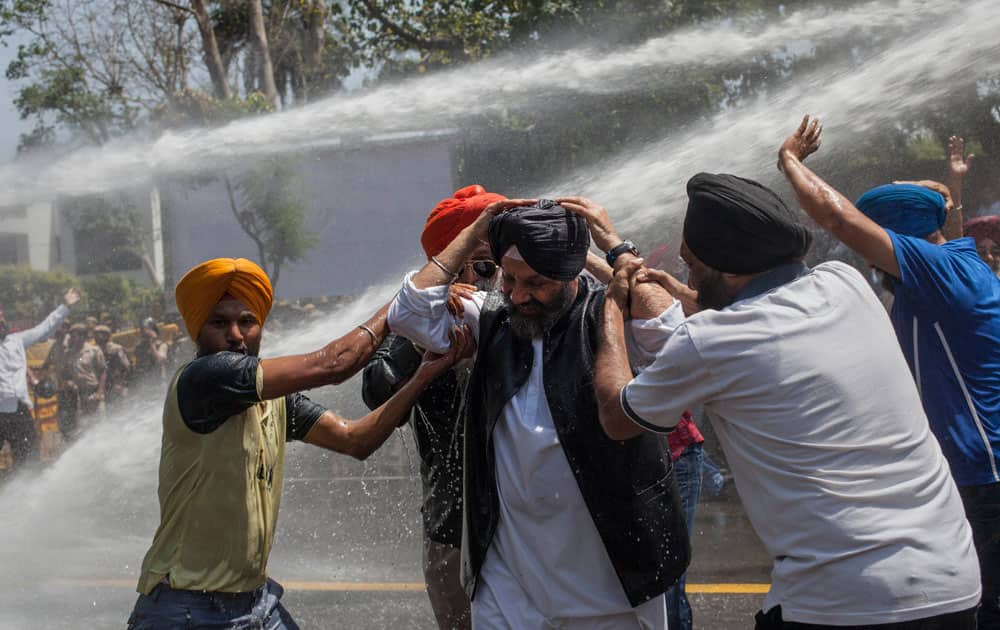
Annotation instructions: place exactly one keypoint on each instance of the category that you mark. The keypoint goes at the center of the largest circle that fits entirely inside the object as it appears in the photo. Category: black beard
(549, 314)
(712, 292)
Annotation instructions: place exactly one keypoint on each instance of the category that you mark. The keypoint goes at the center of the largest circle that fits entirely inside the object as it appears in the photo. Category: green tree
(269, 204)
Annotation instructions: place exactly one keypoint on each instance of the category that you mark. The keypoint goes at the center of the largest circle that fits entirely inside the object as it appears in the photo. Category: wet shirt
(14, 360)
(212, 389)
(830, 449)
(221, 462)
(436, 422)
(947, 318)
(118, 365)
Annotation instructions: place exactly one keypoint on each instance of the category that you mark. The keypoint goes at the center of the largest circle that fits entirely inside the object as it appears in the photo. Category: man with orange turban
(436, 417)
(226, 419)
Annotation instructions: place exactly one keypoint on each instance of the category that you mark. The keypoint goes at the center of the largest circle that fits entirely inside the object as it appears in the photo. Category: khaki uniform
(79, 372)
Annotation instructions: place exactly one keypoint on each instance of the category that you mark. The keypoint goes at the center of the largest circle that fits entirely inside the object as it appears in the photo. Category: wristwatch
(618, 250)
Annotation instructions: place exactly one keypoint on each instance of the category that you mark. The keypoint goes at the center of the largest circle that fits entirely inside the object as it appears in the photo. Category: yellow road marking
(401, 587)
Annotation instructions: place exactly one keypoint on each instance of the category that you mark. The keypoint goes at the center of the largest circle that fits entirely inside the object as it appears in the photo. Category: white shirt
(830, 449)
(546, 540)
(14, 361)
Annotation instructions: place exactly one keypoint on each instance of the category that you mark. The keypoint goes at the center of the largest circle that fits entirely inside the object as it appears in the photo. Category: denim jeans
(982, 508)
(166, 608)
(687, 468)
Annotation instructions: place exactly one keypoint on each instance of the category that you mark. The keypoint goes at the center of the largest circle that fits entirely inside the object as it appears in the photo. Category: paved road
(79, 535)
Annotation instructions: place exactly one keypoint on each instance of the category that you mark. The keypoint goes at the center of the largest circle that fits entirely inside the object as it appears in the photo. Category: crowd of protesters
(555, 396)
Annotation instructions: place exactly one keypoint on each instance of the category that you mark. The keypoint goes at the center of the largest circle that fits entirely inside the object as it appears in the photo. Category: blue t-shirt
(947, 317)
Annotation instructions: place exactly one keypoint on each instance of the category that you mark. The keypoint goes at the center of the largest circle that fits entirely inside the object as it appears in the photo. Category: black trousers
(18, 428)
(964, 620)
(982, 508)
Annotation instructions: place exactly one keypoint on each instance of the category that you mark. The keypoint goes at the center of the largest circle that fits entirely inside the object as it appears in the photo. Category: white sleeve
(645, 338)
(422, 316)
(677, 380)
(48, 326)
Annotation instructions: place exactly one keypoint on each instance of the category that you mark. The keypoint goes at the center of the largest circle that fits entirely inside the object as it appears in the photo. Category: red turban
(984, 227)
(205, 285)
(453, 215)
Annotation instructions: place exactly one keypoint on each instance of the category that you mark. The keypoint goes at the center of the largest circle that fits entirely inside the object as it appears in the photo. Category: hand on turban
(906, 209)
(983, 227)
(203, 287)
(552, 240)
(453, 215)
(736, 225)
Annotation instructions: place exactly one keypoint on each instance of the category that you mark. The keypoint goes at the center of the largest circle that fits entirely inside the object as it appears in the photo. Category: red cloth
(684, 434)
(453, 215)
(984, 227)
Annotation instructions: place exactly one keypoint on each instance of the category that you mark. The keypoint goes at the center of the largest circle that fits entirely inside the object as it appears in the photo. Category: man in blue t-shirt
(946, 314)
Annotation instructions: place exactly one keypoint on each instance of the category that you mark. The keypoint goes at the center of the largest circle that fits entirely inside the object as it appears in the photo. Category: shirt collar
(772, 279)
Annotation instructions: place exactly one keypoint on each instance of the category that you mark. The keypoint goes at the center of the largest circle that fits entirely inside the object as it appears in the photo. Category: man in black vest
(562, 526)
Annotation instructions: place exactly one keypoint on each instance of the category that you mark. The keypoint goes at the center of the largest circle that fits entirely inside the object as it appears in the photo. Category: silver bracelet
(440, 265)
(371, 333)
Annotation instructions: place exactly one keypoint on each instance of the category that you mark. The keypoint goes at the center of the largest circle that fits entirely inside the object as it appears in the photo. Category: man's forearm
(333, 364)
(611, 373)
(452, 259)
(953, 223)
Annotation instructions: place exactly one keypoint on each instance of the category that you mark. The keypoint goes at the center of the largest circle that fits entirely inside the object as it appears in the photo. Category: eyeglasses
(484, 268)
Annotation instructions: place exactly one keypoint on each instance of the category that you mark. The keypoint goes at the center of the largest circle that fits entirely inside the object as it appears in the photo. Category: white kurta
(547, 566)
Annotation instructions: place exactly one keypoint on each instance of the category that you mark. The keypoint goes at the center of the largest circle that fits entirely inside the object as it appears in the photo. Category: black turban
(551, 239)
(736, 225)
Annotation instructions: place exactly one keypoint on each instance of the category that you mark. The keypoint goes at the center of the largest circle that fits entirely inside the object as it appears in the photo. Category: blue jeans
(166, 608)
(687, 468)
(982, 508)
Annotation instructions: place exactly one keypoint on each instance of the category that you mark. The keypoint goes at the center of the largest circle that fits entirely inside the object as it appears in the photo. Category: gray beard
(532, 327)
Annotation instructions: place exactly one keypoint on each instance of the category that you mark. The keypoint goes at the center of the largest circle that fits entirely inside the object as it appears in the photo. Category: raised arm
(830, 209)
(49, 324)
(646, 300)
(958, 166)
(334, 363)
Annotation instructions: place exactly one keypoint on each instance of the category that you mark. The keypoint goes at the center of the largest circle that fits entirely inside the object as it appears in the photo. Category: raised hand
(71, 297)
(463, 346)
(601, 229)
(481, 227)
(958, 162)
(804, 142)
(456, 293)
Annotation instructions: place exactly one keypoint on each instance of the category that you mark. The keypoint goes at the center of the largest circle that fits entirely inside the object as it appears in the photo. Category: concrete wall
(368, 207)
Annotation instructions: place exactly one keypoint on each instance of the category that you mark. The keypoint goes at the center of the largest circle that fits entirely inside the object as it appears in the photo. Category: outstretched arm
(830, 209)
(333, 364)
(958, 166)
(362, 437)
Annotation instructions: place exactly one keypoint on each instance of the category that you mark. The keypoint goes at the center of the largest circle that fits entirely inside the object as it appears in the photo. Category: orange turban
(203, 286)
(453, 215)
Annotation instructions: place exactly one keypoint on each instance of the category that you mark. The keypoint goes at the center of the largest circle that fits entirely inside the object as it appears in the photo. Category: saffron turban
(205, 285)
(984, 227)
(552, 240)
(906, 209)
(736, 225)
(453, 215)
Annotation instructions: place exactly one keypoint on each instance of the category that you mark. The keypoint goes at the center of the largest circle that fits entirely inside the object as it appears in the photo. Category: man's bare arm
(455, 254)
(362, 437)
(830, 209)
(334, 363)
(612, 371)
(958, 167)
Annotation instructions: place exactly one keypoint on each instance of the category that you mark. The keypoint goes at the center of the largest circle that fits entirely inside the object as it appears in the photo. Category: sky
(11, 125)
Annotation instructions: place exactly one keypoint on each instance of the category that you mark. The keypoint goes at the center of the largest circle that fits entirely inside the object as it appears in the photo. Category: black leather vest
(629, 486)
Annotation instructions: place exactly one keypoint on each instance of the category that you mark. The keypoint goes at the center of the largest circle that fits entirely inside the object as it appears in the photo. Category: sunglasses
(484, 268)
